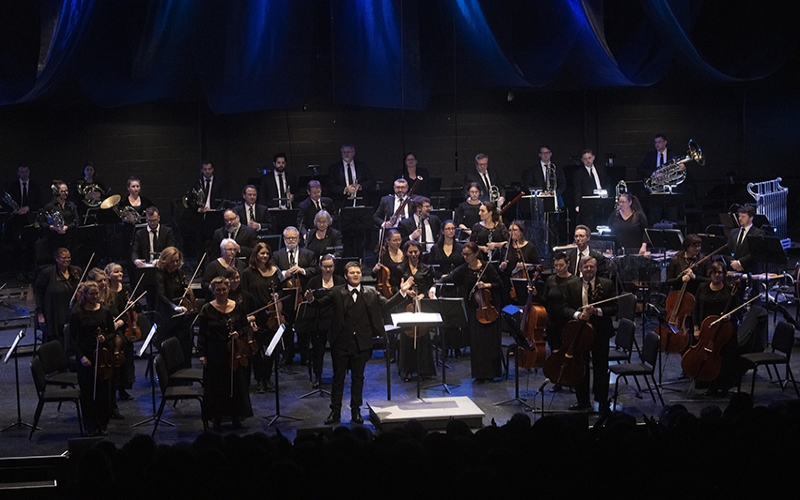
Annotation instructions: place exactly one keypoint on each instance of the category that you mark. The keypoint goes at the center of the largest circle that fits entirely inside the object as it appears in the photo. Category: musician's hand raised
(405, 285)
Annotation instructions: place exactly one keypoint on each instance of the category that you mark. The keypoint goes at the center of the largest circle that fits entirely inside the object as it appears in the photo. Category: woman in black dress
(59, 217)
(521, 255)
(261, 279)
(176, 317)
(410, 173)
(445, 256)
(412, 267)
(135, 199)
(324, 239)
(485, 347)
(91, 326)
(490, 234)
(628, 224)
(228, 250)
(221, 322)
(53, 290)
(119, 295)
(467, 212)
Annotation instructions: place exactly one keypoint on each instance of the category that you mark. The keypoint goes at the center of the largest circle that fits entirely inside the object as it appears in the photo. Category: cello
(383, 284)
(533, 324)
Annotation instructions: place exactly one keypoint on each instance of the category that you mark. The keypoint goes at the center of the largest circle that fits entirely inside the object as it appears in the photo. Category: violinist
(413, 267)
(519, 258)
(261, 279)
(390, 204)
(321, 284)
(390, 257)
(171, 285)
(228, 249)
(578, 294)
(55, 286)
(484, 339)
(92, 325)
(59, 217)
(466, 214)
(324, 239)
(221, 322)
(490, 234)
(120, 294)
(677, 272)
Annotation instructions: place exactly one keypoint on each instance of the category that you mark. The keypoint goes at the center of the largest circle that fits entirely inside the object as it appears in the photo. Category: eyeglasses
(466, 254)
(290, 238)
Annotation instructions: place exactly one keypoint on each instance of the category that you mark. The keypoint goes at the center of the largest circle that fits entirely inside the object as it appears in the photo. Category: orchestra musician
(119, 295)
(221, 321)
(467, 214)
(651, 162)
(54, 231)
(261, 279)
(308, 208)
(389, 205)
(245, 236)
(484, 339)
(677, 273)
(324, 239)
(229, 249)
(578, 294)
(88, 191)
(151, 240)
(171, 285)
(582, 235)
(486, 180)
(200, 228)
(521, 256)
(91, 325)
(252, 214)
(422, 227)
(743, 261)
(443, 258)
(628, 224)
(553, 298)
(356, 320)
(277, 185)
(584, 182)
(349, 176)
(391, 257)
(135, 199)
(54, 288)
(413, 267)
(19, 231)
(490, 234)
(411, 170)
(536, 176)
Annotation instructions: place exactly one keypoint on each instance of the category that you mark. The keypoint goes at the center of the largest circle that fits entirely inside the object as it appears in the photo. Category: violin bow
(718, 250)
(88, 265)
(606, 300)
(130, 304)
(194, 275)
(136, 288)
(728, 314)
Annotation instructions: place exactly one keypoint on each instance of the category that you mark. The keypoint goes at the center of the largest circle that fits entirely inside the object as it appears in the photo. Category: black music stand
(147, 345)
(594, 209)
(284, 217)
(307, 320)
(711, 242)
(274, 348)
(412, 320)
(670, 239)
(355, 223)
(13, 350)
(772, 253)
(522, 344)
(454, 314)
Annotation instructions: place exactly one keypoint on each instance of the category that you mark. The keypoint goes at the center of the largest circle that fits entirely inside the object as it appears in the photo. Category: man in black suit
(199, 222)
(654, 159)
(253, 215)
(347, 177)
(20, 235)
(737, 240)
(278, 185)
(233, 228)
(391, 203)
(578, 294)
(422, 227)
(536, 176)
(576, 256)
(485, 180)
(356, 320)
(309, 207)
(296, 264)
(585, 180)
(151, 240)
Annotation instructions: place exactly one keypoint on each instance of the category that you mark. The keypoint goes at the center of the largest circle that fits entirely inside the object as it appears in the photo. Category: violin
(236, 346)
(188, 299)
(486, 313)
(275, 318)
(103, 362)
(533, 324)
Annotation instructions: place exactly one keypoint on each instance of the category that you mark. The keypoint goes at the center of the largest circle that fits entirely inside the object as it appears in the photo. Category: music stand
(670, 239)
(148, 345)
(273, 348)
(771, 251)
(13, 350)
(354, 223)
(711, 242)
(522, 344)
(595, 208)
(284, 217)
(414, 319)
(454, 312)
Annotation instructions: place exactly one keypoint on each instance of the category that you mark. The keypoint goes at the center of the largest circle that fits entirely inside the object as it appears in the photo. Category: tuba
(674, 172)
(194, 198)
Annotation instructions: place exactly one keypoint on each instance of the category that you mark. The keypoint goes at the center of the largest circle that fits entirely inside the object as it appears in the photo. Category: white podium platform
(433, 413)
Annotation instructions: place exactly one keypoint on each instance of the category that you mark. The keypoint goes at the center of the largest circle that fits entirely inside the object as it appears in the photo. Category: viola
(533, 324)
(567, 367)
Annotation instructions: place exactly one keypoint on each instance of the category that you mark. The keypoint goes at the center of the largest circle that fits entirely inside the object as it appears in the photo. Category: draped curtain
(244, 55)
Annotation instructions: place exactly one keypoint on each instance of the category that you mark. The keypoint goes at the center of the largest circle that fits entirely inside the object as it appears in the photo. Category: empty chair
(174, 393)
(782, 344)
(623, 342)
(173, 357)
(55, 364)
(646, 368)
(51, 395)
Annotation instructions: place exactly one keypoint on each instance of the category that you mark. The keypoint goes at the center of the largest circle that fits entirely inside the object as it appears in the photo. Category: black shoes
(124, 396)
(355, 417)
(580, 407)
(316, 383)
(115, 415)
(333, 418)
(261, 389)
(556, 388)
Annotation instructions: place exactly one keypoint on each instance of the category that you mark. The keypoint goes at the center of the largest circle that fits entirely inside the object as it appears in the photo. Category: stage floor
(57, 427)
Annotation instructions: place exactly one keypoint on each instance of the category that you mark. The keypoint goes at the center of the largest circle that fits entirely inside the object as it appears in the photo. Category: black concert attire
(553, 298)
(320, 247)
(407, 363)
(163, 237)
(483, 235)
(494, 179)
(125, 239)
(385, 259)
(432, 225)
(423, 188)
(575, 262)
(629, 232)
(20, 234)
(741, 249)
(170, 287)
(69, 214)
(603, 329)
(273, 187)
(307, 210)
(126, 374)
(387, 207)
(337, 180)
(257, 213)
(261, 288)
(80, 200)
(534, 178)
(446, 263)
(216, 268)
(212, 343)
(583, 184)
(354, 323)
(707, 303)
(455, 338)
(307, 260)
(528, 254)
(83, 326)
(678, 264)
(484, 340)
(467, 214)
(197, 227)
(53, 293)
(317, 321)
(245, 236)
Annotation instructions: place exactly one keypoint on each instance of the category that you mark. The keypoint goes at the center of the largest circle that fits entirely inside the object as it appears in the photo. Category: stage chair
(172, 354)
(53, 395)
(172, 393)
(646, 368)
(55, 364)
(623, 345)
(782, 342)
